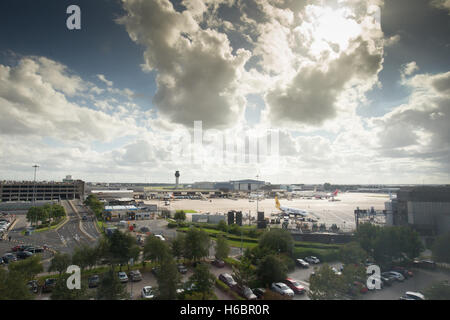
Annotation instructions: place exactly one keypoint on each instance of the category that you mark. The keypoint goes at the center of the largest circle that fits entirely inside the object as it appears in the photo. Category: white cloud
(441, 4)
(34, 100)
(409, 68)
(197, 72)
(103, 79)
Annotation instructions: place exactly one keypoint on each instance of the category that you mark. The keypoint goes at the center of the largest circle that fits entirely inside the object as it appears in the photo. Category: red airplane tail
(335, 192)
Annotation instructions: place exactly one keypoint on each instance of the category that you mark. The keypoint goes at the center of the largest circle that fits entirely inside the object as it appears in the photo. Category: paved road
(421, 280)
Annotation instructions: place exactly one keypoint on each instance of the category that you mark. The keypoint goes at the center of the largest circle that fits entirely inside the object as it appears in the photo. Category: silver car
(123, 277)
(397, 275)
(282, 289)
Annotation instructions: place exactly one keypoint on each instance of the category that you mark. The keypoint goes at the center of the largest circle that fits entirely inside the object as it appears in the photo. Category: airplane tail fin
(335, 192)
(277, 203)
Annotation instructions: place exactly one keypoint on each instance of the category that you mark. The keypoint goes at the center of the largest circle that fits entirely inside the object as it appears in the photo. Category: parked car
(227, 279)
(122, 277)
(155, 271)
(388, 278)
(30, 249)
(38, 249)
(147, 293)
(182, 268)
(23, 254)
(189, 287)
(49, 285)
(295, 286)
(302, 263)
(312, 259)
(84, 218)
(259, 292)
(218, 263)
(93, 281)
(398, 276)
(281, 288)
(160, 237)
(426, 264)
(336, 271)
(9, 257)
(246, 292)
(33, 286)
(135, 275)
(410, 295)
(18, 248)
(405, 272)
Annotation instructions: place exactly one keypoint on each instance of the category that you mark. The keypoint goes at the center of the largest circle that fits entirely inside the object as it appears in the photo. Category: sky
(291, 91)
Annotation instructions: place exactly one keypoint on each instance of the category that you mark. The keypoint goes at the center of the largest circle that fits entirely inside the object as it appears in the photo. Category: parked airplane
(316, 194)
(288, 210)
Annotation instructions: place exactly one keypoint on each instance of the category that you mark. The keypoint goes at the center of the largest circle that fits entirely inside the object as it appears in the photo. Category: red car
(294, 285)
(18, 248)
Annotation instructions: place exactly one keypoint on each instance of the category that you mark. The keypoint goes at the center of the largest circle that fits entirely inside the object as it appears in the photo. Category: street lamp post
(34, 189)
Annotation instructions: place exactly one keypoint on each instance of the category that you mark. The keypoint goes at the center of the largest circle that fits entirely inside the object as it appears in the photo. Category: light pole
(257, 195)
(34, 184)
(34, 190)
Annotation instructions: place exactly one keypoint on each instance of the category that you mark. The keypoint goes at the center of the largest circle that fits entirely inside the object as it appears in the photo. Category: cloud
(441, 4)
(310, 97)
(34, 100)
(103, 79)
(322, 63)
(418, 129)
(409, 68)
(197, 73)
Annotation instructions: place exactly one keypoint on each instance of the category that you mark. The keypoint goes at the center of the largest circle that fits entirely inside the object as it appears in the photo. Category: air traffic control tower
(177, 179)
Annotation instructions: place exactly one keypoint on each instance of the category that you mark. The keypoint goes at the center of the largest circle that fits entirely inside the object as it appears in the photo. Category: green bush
(172, 225)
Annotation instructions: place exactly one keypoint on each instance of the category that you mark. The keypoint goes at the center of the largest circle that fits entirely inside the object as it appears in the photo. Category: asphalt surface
(65, 239)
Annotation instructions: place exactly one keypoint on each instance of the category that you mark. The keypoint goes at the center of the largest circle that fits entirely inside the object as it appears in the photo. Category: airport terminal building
(41, 191)
(426, 209)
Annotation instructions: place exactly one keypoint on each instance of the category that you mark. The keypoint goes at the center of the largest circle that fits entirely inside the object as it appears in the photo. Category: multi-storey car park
(39, 191)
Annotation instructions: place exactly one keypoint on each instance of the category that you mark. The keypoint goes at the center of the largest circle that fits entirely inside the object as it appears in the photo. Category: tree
(438, 291)
(36, 214)
(156, 249)
(60, 262)
(352, 253)
(244, 273)
(325, 284)
(118, 248)
(366, 236)
(81, 256)
(110, 287)
(27, 268)
(277, 240)
(222, 226)
(271, 269)
(178, 246)
(440, 248)
(350, 274)
(57, 211)
(222, 248)
(203, 280)
(13, 286)
(197, 244)
(180, 215)
(168, 281)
